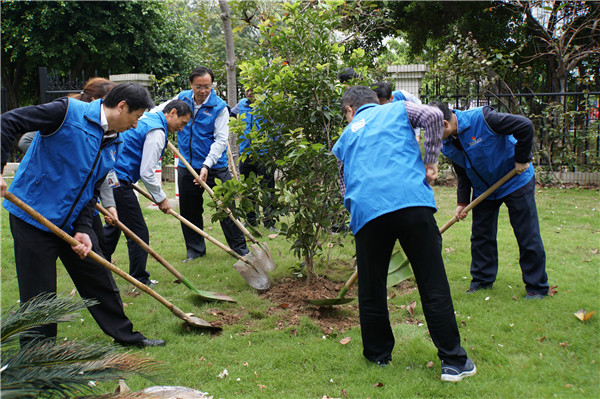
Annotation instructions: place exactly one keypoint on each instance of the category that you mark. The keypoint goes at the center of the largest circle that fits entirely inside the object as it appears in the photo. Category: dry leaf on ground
(583, 315)
(411, 308)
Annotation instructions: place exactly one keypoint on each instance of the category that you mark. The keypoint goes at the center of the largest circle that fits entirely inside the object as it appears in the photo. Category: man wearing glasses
(203, 143)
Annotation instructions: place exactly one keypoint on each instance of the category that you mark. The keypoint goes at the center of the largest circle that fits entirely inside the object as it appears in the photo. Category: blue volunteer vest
(245, 110)
(488, 156)
(59, 171)
(398, 96)
(198, 135)
(130, 160)
(383, 167)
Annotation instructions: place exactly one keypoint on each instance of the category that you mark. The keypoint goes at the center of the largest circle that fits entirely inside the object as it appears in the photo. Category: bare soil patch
(291, 298)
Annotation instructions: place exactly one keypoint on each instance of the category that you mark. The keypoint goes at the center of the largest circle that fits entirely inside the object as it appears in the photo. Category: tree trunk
(11, 83)
(231, 72)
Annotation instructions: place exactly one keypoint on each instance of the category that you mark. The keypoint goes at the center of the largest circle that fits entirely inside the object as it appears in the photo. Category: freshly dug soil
(292, 296)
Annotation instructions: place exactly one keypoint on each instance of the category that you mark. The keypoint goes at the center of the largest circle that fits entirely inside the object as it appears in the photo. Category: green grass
(521, 348)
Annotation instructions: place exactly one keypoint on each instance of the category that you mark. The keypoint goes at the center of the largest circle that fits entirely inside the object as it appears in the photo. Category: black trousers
(130, 214)
(418, 233)
(269, 181)
(522, 212)
(36, 252)
(191, 206)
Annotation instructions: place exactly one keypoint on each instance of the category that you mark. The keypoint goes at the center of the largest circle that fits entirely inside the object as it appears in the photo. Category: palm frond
(42, 368)
(43, 309)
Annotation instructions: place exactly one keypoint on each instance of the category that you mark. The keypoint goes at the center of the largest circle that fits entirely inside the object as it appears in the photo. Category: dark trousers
(130, 214)
(99, 230)
(191, 206)
(416, 230)
(523, 217)
(268, 180)
(36, 252)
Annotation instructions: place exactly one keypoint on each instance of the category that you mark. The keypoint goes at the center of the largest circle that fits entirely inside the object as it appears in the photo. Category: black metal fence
(567, 124)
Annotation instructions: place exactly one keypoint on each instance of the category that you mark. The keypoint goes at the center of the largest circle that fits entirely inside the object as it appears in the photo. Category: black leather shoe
(144, 343)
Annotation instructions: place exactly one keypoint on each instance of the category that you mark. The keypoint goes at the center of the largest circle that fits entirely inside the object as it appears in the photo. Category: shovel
(187, 317)
(203, 294)
(398, 269)
(339, 300)
(402, 264)
(261, 252)
(247, 266)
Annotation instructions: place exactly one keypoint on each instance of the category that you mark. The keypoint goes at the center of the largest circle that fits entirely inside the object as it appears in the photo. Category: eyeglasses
(202, 87)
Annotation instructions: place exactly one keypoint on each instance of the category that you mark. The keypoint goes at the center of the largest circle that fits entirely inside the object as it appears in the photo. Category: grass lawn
(522, 348)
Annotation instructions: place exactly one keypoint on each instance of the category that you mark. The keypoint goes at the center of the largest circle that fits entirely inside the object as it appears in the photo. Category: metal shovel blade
(254, 275)
(194, 321)
(214, 296)
(263, 256)
(398, 270)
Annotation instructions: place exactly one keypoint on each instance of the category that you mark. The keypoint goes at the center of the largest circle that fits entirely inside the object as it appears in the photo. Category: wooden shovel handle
(140, 242)
(94, 256)
(211, 192)
(483, 196)
(232, 162)
(195, 228)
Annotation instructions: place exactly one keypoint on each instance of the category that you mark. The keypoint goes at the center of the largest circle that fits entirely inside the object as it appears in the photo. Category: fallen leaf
(344, 341)
(411, 308)
(284, 305)
(261, 386)
(272, 236)
(542, 339)
(378, 385)
(583, 315)
(429, 365)
(594, 251)
(448, 250)
(344, 393)
(245, 364)
(564, 344)
(515, 298)
(552, 290)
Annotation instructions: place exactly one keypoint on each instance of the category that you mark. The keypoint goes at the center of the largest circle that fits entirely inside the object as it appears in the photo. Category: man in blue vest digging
(385, 183)
(203, 143)
(483, 146)
(60, 176)
(143, 147)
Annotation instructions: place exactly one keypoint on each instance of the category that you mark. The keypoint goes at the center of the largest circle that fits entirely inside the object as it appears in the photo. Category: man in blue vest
(143, 147)
(59, 177)
(483, 146)
(252, 161)
(203, 143)
(385, 184)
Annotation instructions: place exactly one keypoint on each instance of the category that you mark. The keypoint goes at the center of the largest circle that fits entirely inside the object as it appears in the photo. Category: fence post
(43, 84)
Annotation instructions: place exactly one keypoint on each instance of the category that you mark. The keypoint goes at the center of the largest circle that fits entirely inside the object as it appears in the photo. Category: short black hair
(357, 96)
(181, 106)
(444, 108)
(347, 74)
(136, 97)
(201, 71)
(383, 90)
